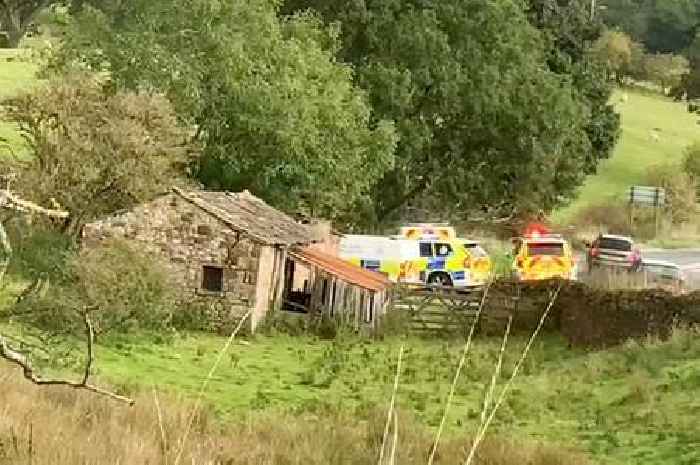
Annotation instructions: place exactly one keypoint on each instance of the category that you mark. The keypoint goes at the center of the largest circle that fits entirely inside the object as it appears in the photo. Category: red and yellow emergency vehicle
(541, 255)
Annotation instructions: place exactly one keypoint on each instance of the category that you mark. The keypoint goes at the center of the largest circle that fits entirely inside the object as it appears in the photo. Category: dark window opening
(426, 249)
(204, 230)
(213, 278)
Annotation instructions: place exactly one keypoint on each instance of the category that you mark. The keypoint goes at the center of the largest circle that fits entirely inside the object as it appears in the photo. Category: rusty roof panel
(366, 279)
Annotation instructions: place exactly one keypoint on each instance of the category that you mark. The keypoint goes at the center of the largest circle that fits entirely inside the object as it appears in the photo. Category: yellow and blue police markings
(459, 265)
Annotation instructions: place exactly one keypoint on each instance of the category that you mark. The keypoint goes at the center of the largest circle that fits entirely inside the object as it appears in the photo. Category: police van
(420, 255)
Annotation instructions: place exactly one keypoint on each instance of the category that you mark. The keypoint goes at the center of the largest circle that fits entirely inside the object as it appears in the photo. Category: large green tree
(571, 32)
(275, 112)
(484, 120)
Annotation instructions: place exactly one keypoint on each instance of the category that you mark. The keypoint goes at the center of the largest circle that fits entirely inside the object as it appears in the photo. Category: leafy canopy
(483, 119)
(275, 112)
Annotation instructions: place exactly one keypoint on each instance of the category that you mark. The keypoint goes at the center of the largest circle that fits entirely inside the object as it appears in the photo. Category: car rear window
(553, 249)
(614, 244)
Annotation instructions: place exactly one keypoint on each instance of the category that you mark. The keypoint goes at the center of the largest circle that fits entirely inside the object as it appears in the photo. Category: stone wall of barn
(190, 239)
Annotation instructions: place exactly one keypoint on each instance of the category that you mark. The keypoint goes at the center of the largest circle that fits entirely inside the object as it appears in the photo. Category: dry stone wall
(595, 318)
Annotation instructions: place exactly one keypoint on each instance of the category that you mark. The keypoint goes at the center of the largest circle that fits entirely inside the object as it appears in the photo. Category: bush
(128, 289)
(611, 217)
(38, 253)
(122, 289)
(691, 161)
(680, 190)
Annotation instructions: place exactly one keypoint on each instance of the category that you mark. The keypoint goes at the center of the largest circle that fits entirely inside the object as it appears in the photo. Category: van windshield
(475, 250)
(552, 249)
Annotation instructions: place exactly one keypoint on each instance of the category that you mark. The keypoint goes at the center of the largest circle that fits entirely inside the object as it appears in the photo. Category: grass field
(17, 73)
(630, 405)
(636, 151)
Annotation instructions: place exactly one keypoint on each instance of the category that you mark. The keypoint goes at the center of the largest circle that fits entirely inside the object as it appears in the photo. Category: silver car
(664, 275)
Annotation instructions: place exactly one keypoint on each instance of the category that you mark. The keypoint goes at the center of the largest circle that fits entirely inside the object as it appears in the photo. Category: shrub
(38, 253)
(680, 190)
(691, 161)
(129, 289)
(122, 289)
(610, 216)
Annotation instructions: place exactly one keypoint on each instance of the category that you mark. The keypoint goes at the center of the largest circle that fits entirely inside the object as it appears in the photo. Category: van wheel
(440, 279)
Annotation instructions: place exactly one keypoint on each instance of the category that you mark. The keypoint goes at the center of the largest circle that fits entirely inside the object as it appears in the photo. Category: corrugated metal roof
(340, 268)
(246, 213)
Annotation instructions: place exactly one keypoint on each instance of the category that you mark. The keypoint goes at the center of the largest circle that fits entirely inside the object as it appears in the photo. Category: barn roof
(341, 269)
(252, 216)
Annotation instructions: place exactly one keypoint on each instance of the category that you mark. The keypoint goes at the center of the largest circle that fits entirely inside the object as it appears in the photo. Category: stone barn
(234, 253)
(221, 248)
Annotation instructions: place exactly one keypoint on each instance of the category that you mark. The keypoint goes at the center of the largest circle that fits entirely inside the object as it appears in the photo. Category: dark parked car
(614, 251)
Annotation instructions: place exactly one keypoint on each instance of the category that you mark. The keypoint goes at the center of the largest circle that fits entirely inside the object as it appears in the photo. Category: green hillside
(642, 114)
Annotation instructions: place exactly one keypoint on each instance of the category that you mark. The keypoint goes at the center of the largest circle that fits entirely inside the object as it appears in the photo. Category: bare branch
(10, 200)
(23, 362)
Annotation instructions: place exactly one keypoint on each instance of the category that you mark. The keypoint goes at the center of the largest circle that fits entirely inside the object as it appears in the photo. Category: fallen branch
(21, 360)
(10, 200)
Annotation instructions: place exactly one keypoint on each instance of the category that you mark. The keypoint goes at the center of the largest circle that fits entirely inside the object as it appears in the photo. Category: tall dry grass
(55, 426)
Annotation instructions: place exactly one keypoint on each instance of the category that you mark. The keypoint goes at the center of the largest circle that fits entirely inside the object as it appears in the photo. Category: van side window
(426, 249)
(443, 250)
